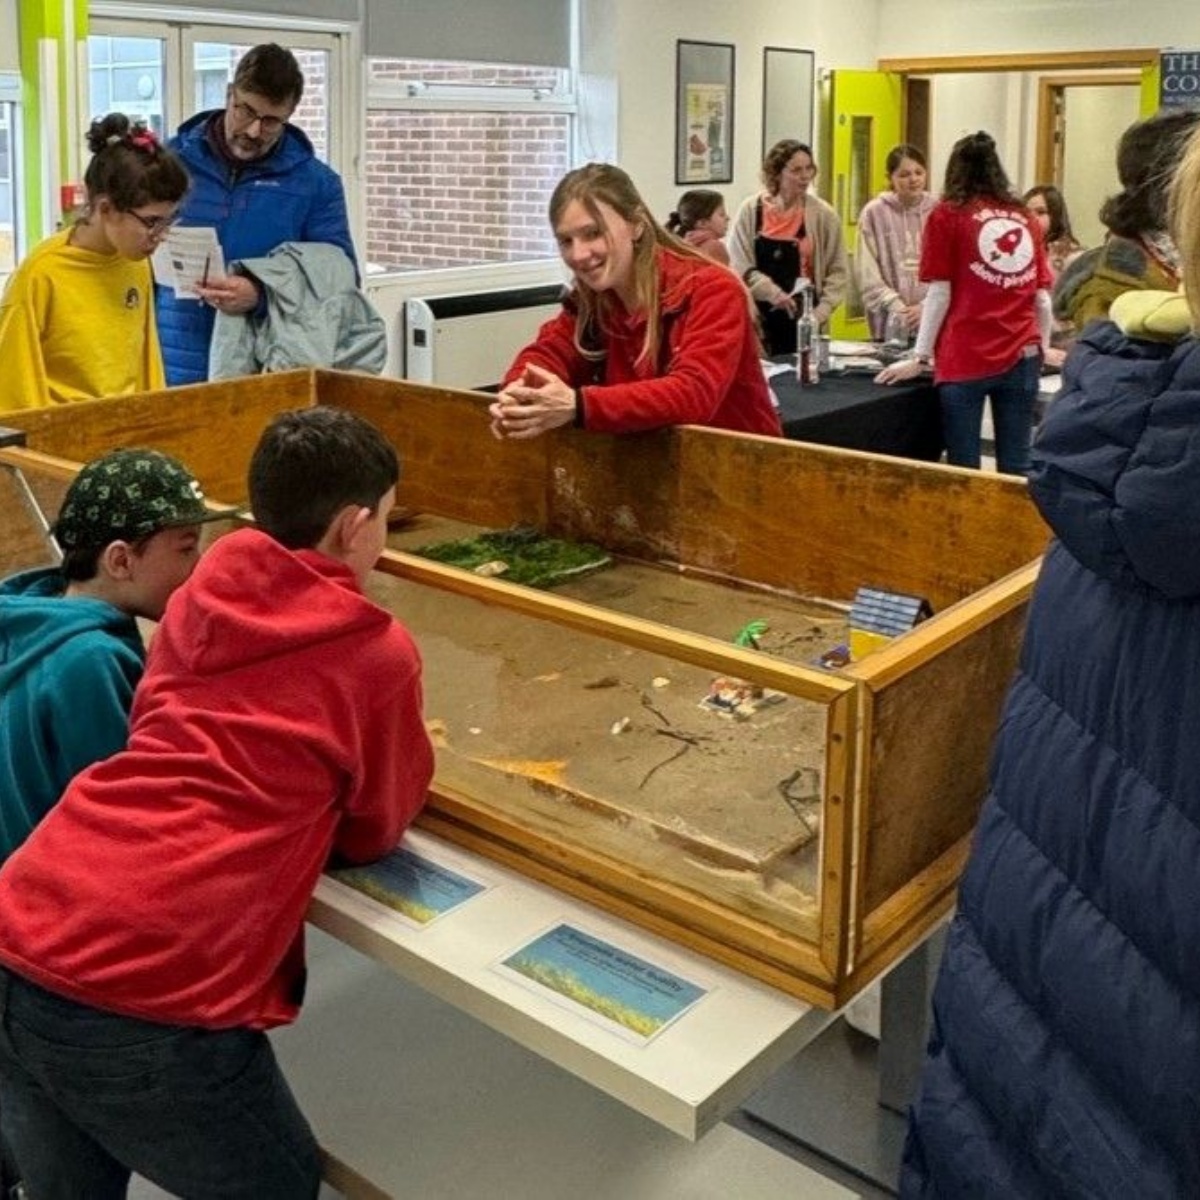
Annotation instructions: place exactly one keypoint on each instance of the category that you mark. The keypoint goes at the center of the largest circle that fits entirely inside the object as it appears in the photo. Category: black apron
(779, 260)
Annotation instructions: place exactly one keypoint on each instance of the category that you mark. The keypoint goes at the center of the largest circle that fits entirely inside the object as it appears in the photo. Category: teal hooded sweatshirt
(68, 668)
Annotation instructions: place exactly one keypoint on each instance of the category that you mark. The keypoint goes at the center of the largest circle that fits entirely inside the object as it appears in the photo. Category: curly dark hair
(974, 170)
(778, 157)
(1147, 154)
(130, 165)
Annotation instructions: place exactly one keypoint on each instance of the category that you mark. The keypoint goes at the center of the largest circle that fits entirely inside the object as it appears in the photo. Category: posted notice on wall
(413, 885)
(188, 255)
(616, 988)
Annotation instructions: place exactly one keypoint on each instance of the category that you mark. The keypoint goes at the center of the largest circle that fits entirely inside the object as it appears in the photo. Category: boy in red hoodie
(151, 928)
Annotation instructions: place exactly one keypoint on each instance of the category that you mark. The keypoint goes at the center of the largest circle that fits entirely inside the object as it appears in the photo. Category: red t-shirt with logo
(991, 254)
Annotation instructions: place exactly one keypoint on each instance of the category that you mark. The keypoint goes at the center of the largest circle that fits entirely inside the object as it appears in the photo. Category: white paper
(188, 255)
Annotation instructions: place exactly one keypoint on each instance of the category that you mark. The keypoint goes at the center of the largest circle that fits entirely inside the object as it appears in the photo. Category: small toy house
(877, 616)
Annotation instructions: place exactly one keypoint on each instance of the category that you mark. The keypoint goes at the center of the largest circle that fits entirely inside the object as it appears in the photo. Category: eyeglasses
(153, 225)
(247, 116)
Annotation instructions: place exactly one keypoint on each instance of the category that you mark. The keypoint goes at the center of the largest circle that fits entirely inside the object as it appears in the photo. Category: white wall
(963, 104)
(928, 27)
(638, 39)
(1089, 178)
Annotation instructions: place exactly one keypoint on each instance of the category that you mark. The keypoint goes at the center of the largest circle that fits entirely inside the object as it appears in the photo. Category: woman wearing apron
(785, 232)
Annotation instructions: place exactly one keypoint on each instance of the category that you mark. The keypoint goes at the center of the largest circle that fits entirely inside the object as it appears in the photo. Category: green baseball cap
(127, 495)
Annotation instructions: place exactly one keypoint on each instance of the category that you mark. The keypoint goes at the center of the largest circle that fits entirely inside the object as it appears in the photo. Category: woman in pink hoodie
(890, 229)
(701, 220)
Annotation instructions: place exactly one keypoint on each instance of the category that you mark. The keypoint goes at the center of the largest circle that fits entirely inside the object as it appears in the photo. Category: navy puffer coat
(1065, 1056)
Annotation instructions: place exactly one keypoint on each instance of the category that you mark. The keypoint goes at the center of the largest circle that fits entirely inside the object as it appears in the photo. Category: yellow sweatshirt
(75, 325)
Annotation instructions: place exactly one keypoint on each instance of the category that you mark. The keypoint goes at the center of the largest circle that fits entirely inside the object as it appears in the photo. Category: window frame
(10, 97)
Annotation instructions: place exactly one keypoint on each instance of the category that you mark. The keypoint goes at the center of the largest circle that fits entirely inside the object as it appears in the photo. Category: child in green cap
(70, 650)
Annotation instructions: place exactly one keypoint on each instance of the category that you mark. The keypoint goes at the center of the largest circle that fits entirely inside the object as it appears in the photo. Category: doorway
(1096, 110)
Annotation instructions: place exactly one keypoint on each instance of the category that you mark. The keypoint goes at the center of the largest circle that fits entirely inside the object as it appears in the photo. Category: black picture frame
(704, 100)
(789, 88)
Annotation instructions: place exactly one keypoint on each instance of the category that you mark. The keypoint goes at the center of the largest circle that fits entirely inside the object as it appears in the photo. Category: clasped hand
(539, 401)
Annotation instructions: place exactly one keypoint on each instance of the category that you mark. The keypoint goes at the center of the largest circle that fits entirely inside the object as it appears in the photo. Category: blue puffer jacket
(1065, 1057)
(288, 196)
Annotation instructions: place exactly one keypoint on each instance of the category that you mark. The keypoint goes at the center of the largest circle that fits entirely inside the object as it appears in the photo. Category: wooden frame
(1066, 60)
(907, 730)
(789, 80)
(704, 107)
(1049, 87)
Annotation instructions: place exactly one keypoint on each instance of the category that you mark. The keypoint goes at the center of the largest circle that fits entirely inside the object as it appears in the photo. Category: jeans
(1013, 395)
(87, 1097)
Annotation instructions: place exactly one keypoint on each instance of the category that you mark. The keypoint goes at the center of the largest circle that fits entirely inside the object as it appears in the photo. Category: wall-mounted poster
(704, 112)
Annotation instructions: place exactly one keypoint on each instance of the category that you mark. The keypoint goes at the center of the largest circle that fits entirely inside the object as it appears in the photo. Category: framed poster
(788, 80)
(703, 112)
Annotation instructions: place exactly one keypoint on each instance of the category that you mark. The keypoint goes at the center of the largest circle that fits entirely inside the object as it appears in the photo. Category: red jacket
(279, 719)
(708, 373)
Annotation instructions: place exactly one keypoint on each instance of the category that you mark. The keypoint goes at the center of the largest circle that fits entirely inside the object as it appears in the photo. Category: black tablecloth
(852, 412)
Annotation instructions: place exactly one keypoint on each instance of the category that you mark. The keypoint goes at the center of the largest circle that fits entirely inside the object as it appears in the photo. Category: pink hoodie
(888, 255)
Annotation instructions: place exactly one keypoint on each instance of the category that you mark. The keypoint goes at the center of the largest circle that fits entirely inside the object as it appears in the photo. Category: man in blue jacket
(258, 183)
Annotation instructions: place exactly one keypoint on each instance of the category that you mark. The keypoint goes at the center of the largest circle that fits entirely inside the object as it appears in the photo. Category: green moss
(530, 557)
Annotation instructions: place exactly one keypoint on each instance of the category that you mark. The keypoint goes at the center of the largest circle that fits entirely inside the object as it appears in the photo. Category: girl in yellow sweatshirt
(77, 317)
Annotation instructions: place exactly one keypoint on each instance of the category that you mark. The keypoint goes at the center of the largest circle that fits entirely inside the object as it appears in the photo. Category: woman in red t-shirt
(986, 320)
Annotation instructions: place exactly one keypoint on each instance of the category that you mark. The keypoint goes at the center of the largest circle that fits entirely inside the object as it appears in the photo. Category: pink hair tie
(143, 139)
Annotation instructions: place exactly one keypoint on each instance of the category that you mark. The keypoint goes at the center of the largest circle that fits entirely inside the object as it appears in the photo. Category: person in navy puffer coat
(256, 180)
(1064, 1060)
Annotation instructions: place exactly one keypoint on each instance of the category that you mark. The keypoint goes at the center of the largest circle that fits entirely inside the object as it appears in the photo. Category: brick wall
(450, 188)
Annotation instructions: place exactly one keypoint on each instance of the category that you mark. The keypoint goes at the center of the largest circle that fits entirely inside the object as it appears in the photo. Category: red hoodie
(279, 720)
(710, 373)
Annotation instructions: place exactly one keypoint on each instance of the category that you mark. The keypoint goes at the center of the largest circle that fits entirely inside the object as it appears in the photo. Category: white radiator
(468, 340)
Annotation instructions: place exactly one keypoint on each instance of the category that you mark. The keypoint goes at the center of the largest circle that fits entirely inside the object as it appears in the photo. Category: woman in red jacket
(651, 334)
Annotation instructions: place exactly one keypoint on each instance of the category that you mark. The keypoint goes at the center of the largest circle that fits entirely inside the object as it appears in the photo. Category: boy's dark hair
(271, 71)
(312, 462)
(83, 563)
(974, 170)
(130, 165)
(1147, 155)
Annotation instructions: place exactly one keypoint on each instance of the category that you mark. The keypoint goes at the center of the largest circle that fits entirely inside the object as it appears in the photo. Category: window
(11, 234)
(460, 161)
(166, 71)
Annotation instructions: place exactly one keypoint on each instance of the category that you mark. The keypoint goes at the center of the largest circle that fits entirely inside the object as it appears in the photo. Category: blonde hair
(1184, 207)
(603, 183)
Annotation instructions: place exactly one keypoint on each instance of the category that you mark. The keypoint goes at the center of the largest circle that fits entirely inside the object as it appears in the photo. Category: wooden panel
(23, 542)
(450, 463)
(930, 740)
(823, 522)
(622, 491)
(212, 428)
